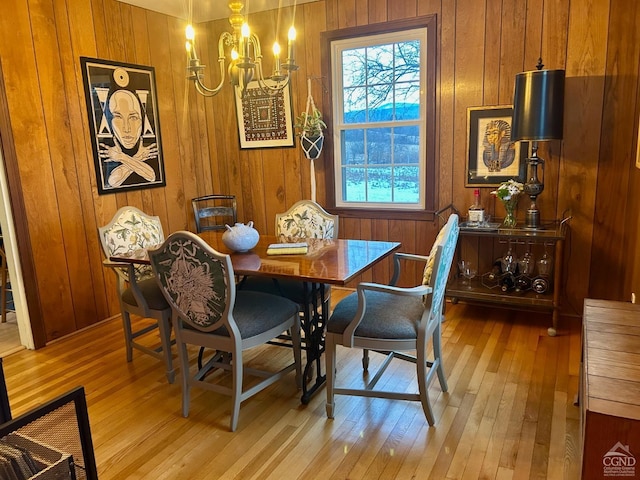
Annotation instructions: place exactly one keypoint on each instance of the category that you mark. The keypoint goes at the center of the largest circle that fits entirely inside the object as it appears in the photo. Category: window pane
(406, 145)
(379, 146)
(407, 58)
(407, 97)
(380, 64)
(353, 67)
(352, 147)
(379, 185)
(355, 105)
(353, 185)
(406, 184)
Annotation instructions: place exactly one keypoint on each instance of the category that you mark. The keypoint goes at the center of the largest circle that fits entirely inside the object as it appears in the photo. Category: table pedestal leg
(313, 327)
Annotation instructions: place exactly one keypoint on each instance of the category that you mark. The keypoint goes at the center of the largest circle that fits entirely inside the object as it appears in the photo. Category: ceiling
(205, 10)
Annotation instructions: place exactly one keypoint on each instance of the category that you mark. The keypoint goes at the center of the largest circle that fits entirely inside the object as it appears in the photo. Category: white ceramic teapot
(240, 237)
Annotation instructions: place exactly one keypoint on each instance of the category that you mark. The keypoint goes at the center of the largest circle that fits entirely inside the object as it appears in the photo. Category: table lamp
(538, 103)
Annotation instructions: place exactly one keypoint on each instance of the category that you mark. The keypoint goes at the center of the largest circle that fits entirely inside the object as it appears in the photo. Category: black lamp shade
(538, 104)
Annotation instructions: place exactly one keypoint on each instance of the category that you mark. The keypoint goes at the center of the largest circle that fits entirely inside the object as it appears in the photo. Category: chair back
(128, 231)
(213, 212)
(307, 219)
(197, 281)
(440, 257)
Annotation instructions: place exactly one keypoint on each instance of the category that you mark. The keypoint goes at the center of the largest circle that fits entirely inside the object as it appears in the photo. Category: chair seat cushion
(291, 289)
(150, 291)
(257, 312)
(387, 316)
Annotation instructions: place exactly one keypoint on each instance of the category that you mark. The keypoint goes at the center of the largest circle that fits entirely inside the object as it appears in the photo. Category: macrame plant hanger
(313, 146)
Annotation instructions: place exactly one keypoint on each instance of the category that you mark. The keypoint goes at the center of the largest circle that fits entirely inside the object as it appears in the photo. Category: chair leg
(330, 358)
(437, 352)
(236, 396)
(423, 386)
(186, 373)
(3, 288)
(164, 326)
(128, 336)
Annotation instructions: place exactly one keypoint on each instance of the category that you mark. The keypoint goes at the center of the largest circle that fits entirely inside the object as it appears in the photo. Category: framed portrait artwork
(492, 158)
(125, 128)
(264, 120)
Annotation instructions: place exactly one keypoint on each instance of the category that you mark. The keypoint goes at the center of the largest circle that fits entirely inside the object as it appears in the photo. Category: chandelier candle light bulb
(291, 36)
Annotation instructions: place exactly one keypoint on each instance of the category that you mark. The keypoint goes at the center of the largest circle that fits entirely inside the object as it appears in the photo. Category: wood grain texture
(509, 409)
(480, 48)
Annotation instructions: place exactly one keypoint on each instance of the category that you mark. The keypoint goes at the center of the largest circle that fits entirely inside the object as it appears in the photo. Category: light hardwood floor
(509, 412)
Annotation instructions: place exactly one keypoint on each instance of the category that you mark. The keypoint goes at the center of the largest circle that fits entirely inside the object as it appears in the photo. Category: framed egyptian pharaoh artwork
(125, 128)
(492, 158)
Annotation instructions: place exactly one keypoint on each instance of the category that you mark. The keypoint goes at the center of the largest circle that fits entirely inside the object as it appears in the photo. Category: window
(381, 117)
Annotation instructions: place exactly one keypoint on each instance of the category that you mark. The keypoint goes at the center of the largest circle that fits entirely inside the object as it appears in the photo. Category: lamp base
(532, 219)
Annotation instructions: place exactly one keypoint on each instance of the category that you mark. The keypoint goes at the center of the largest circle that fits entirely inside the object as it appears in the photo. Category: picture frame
(264, 120)
(123, 118)
(491, 156)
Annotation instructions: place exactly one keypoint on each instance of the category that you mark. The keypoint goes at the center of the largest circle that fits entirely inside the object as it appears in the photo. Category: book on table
(299, 248)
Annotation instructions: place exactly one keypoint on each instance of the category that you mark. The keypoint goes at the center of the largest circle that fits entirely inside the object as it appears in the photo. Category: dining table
(327, 262)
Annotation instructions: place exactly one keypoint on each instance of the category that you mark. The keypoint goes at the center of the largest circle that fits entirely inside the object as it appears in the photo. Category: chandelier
(245, 58)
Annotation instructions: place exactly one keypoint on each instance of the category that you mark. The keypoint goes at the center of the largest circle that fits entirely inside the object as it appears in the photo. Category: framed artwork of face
(125, 128)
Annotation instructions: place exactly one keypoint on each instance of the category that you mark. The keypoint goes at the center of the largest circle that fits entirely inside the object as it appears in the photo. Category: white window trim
(337, 46)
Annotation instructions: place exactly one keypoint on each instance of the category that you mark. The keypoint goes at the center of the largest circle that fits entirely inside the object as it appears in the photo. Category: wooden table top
(327, 261)
(611, 349)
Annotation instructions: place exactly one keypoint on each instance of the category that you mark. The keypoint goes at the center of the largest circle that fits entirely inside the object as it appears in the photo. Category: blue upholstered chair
(393, 320)
(208, 311)
(138, 293)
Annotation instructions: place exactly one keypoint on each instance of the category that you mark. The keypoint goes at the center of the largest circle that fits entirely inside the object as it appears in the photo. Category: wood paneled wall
(482, 45)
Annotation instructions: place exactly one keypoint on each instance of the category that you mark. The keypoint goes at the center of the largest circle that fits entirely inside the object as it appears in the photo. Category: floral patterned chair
(138, 292)
(307, 219)
(198, 282)
(392, 321)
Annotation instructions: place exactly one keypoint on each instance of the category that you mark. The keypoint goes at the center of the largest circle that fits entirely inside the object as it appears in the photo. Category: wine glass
(467, 270)
(509, 260)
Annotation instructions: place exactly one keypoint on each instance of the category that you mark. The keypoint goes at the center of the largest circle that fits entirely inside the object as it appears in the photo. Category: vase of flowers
(508, 193)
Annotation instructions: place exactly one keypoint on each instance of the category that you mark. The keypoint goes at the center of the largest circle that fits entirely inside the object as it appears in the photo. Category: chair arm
(111, 264)
(404, 256)
(128, 278)
(418, 291)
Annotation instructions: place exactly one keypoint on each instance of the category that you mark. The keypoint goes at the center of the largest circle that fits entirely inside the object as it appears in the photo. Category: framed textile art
(492, 158)
(264, 120)
(125, 129)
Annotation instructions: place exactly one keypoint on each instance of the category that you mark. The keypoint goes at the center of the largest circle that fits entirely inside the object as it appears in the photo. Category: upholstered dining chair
(305, 219)
(208, 311)
(138, 292)
(392, 321)
(213, 212)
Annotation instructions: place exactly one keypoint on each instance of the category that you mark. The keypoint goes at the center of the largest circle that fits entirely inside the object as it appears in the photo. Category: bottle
(523, 283)
(476, 211)
(540, 284)
(507, 282)
(496, 270)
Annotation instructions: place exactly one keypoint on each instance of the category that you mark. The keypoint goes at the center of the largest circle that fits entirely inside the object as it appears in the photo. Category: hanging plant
(310, 126)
